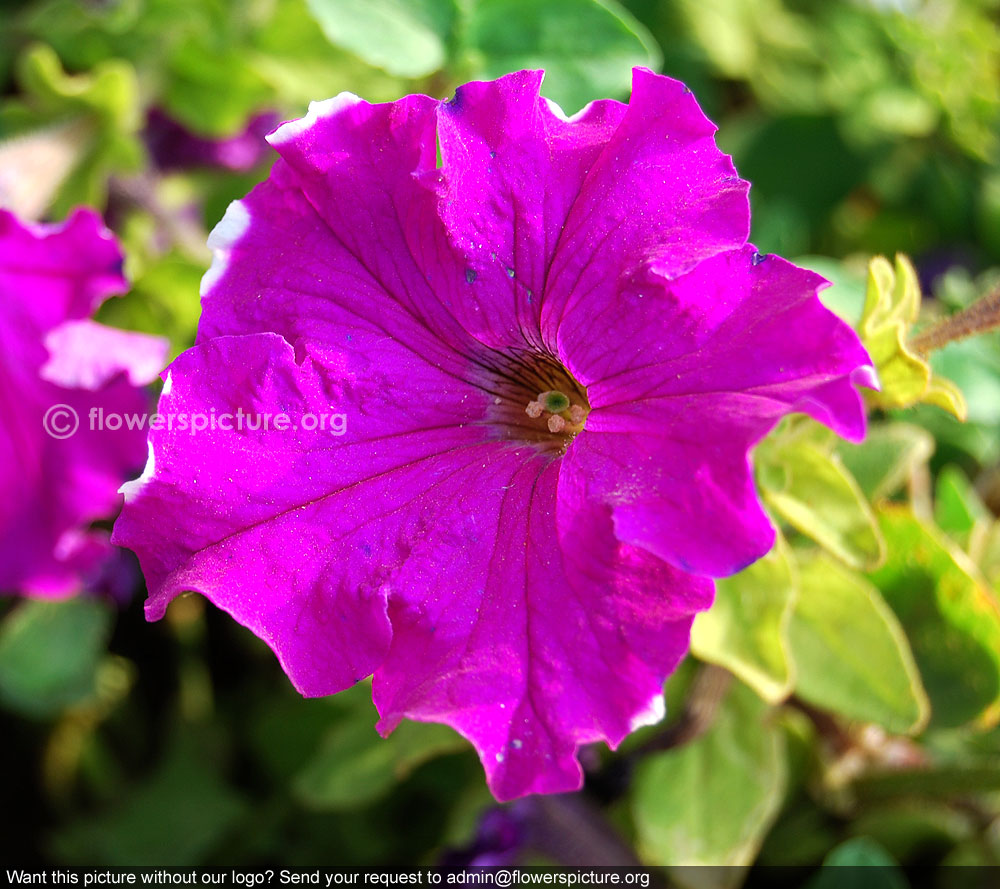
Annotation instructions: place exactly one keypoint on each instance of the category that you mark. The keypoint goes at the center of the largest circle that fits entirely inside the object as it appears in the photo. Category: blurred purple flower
(57, 475)
(174, 147)
(554, 349)
(499, 839)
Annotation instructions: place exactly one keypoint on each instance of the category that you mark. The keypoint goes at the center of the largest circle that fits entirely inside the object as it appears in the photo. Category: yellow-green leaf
(103, 109)
(711, 802)
(950, 615)
(892, 304)
(884, 461)
(850, 653)
(818, 496)
(745, 630)
(958, 509)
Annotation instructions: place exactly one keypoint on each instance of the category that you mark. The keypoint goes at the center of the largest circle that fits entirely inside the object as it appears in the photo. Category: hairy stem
(980, 317)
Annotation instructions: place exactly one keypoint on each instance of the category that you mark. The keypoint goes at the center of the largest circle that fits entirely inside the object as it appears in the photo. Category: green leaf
(850, 654)
(745, 630)
(974, 365)
(818, 497)
(955, 440)
(163, 300)
(408, 38)
(957, 507)
(196, 68)
(908, 828)
(110, 91)
(886, 459)
(846, 295)
(297, 60)
(892, 304)
(972, 775)
(355, 766)
(866, 865)
(174, 818)
(587, 47)
(950, 616)
(989, 560)
(49, 653)
(713, 800)
(286, 731)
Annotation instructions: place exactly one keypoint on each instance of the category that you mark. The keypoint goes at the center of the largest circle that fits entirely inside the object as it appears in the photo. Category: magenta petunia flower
(57, 474)
(553, 349)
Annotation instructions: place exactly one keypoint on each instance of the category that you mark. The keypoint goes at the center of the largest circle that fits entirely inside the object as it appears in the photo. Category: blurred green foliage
(859, 721)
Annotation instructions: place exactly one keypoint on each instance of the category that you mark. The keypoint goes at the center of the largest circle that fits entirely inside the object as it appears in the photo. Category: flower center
(536, 400)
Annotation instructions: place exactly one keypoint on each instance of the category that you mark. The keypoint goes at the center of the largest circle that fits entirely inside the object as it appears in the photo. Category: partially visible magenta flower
(57, 475)
(554, 350)
(174, 147)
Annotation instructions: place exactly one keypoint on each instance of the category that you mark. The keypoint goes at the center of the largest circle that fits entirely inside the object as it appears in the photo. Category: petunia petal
(332, 271)
(536, 634)
(86, 355)
(498, 141)
(64, 271)
(723, 353)
(411, 563)
(292, 525)
(59, 469)
(661, 196)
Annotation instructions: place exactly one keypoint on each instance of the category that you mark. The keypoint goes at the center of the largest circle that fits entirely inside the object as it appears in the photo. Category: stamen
(534, 386)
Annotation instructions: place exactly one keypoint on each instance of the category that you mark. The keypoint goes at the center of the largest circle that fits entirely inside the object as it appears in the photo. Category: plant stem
(708, 690)
(569, 828)
(982, 316)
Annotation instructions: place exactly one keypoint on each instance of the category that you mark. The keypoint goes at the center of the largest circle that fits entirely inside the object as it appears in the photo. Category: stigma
(561, 415)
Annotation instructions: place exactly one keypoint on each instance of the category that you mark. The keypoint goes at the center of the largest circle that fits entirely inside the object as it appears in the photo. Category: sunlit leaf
(957, 507)
(408, 39)
(587, 47)
(818, 497)
(712, 801)
(301, 65)
(950, 615)
(974, 365)
(745, 629)
(850, 654)
(192, 93)
(101, 107)
(892, 305)
(886, 459)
